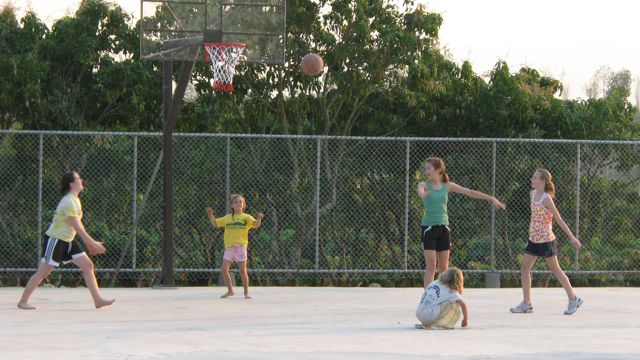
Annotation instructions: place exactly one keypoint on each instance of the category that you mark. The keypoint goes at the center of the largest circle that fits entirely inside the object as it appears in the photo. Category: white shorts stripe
(51, 244)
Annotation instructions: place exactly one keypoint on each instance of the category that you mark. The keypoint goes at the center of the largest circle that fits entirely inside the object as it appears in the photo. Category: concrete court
(313, 323)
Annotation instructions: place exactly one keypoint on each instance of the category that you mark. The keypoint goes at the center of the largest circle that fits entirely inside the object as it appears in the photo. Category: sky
(566, 39)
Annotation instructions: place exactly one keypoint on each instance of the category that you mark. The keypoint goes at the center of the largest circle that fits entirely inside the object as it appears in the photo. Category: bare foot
(246, 296)
(104, 302)
(26, 306)
(229, 293)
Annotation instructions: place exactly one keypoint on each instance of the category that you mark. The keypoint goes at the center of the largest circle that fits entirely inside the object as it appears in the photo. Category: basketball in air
(312, 64)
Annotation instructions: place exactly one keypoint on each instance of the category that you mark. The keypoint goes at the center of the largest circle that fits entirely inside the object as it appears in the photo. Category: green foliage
(385, 75)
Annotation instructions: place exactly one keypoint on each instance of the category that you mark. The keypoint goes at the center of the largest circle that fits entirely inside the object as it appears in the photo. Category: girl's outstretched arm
(212, 218)
(549, 204)
(465, 313)
(453, 187)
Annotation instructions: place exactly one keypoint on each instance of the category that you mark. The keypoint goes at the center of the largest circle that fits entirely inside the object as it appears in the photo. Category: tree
(82, 74)
(605, 81)
(20, 68)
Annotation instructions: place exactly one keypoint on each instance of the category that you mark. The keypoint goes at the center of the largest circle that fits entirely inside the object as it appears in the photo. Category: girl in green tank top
(435, 206)
(435, 223)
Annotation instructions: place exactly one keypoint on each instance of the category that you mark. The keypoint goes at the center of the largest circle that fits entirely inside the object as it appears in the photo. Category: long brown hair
(439, 165)
(454, 279)
(549, 187)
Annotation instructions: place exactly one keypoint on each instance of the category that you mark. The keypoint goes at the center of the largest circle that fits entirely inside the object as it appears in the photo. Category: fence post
(492, 279)
(227, 190)
(317, 200)
(406, 205)
(578, 170)
(134, 205)
(39, 236)
(227, 187)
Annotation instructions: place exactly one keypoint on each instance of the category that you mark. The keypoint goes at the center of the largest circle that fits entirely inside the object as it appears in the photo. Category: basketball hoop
(224, 58)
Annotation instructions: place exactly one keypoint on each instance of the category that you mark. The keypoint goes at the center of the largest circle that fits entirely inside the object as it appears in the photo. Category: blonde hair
(549, 187)
(237, 196)
(438, 164)
(454, 279)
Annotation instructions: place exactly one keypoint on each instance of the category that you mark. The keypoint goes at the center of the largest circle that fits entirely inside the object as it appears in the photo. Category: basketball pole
(172, 41)
(171, 103)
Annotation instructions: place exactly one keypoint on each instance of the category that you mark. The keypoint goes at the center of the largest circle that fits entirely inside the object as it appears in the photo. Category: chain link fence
(338, 209)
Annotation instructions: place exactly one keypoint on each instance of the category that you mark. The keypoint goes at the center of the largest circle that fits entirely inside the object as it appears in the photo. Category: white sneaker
(573, 306)
(522, 308)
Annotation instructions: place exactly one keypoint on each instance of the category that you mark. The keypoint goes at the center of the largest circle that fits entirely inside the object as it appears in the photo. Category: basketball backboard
(177, 29)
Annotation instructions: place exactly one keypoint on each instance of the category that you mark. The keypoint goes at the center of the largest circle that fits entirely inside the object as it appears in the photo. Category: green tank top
(435, 206)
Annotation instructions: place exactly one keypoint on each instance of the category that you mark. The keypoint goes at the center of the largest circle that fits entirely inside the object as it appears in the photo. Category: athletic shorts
(56, 252)
(543, 250)
(436, 237)
(236, 253)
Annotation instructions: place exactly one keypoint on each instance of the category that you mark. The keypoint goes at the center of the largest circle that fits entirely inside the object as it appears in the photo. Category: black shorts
(436, 237)
(56, 252)
(543, 250)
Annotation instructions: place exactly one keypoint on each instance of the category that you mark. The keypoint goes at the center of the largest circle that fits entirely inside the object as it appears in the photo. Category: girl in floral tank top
(540, 230)
(542, 242)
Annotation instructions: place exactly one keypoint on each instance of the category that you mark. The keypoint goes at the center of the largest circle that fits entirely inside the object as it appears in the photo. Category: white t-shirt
(437, 293)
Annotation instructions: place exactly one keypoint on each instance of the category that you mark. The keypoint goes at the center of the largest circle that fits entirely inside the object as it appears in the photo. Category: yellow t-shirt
(236, 229)
(60, 227)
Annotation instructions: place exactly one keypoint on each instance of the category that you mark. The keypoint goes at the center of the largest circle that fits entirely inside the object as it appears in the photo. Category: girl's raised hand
(209, 211)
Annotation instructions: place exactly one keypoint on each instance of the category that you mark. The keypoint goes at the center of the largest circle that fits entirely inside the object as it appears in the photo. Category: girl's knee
(43, 272)
(87, 266)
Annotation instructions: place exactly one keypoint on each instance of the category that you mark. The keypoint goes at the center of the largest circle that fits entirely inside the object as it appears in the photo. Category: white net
(224, 58)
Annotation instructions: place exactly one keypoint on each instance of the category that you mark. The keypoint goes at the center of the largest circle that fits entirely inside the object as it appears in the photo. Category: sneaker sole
(521, 312)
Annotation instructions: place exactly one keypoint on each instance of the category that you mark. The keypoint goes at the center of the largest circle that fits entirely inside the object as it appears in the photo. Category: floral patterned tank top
(540, 230)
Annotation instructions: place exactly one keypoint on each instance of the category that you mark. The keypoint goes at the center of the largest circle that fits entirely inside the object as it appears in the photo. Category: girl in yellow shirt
(60, 246)
(236, 239)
